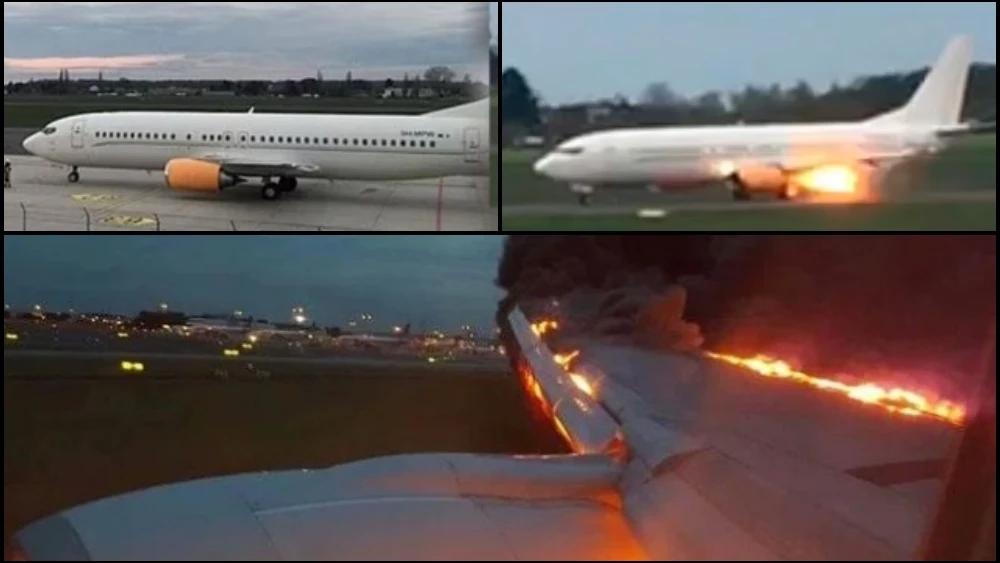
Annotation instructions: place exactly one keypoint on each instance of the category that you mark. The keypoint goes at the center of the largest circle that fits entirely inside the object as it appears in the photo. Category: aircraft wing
(245, 165)
(721, 463)
(432, 507)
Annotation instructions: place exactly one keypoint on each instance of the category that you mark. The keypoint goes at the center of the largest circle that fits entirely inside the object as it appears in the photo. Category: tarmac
(42, 199)
(676, 205)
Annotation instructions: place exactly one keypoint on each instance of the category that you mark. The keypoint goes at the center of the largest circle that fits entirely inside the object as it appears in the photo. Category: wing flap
(243, 165)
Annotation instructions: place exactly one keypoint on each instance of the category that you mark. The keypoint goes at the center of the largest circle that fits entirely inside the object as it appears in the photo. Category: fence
(26, 218)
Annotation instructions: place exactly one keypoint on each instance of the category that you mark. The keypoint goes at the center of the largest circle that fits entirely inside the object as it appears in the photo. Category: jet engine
(187, 174)
(761, 178)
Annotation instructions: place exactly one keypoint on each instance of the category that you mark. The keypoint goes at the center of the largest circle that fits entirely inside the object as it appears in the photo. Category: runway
(114, 200)
(672, 205)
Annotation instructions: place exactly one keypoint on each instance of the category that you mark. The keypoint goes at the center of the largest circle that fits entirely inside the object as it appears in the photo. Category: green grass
(69, 441)
(884, 217)
(970, 165)
(37, 111)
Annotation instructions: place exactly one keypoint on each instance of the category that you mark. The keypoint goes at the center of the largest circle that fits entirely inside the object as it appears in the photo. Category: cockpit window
(49, 131)
(569, 150)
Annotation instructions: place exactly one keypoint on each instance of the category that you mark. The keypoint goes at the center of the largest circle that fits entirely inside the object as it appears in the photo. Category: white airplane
(675, 458)
(209, 152)
(784, 159)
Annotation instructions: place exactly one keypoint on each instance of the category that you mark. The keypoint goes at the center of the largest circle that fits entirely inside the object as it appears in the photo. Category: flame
(838, 180)
(543, 327)
(892, 399)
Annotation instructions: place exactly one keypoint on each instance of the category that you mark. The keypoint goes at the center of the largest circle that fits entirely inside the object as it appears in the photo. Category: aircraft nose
(542, 165)
(31, 144)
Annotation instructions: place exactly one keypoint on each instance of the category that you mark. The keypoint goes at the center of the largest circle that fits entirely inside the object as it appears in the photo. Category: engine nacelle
(761, 178)
(191, 175)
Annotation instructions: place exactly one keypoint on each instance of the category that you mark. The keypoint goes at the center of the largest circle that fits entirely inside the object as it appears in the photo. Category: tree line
(438, 81)
(523, 109)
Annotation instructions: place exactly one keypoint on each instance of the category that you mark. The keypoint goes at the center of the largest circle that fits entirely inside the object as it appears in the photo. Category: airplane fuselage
(341, 147)
(664, 156)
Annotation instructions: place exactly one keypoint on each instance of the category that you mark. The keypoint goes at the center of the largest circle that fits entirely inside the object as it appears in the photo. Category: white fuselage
(682, 155)
(341, 147)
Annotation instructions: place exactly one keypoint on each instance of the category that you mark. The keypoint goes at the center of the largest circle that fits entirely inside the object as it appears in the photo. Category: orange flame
(892, 399)
(543, 327)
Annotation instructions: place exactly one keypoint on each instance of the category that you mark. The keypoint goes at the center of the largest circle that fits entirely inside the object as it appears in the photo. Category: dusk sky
(273, 40)
(443, 281)
(572, 52)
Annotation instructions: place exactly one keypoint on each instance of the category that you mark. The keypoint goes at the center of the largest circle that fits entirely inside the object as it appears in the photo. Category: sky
(494, 20)
(589, 50)
(432, 281)
(239, 40)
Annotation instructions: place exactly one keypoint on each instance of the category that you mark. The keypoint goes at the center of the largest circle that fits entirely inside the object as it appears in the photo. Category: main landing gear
(584, 194)
(74, 175)
(273, 191)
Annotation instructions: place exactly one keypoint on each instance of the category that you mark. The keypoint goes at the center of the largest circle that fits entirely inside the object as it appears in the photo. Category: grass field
(71, 441)
(970, 165)
(963, 216)
(37, 111)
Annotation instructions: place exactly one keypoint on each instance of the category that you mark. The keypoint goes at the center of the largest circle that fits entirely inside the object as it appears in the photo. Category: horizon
(222, 40)
(450, 277)
(725, 46)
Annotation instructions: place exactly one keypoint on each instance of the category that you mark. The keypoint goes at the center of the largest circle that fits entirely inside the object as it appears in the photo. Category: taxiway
(42, 199)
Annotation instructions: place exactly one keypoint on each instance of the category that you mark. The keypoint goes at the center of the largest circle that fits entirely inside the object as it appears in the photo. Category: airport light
(229, 353)
(133, 367)
(11, 337)
(164, 307)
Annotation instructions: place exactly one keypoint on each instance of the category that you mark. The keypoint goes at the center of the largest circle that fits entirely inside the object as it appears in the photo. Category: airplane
(211, 152)
(789, 160)
(673, 457)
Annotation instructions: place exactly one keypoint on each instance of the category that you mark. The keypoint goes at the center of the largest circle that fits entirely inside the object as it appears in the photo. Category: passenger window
(433, 144)
(306, 140)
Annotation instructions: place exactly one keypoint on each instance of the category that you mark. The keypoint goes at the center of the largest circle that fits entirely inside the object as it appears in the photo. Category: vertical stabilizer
(939, 99)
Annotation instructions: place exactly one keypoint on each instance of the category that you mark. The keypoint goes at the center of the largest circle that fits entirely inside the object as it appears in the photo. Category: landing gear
(740, 191)
(288, 185)
(789, 192)
(271, 192)
(74, 176)
(584, 194)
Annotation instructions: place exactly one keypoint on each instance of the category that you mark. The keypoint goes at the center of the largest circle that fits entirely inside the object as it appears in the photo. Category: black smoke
(922, 305)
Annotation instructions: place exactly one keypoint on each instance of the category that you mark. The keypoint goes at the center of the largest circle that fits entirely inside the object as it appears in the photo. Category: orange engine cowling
(762, 178)
(187, 174)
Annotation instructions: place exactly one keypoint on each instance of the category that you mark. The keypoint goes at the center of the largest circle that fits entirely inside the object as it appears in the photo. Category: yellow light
(10, 336)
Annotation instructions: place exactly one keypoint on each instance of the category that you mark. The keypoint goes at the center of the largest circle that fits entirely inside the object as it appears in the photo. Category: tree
(439, 75)
(519, 103)
(659, 94)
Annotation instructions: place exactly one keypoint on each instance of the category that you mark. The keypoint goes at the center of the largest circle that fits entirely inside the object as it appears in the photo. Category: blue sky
(443, 281)
(582, 51)
(274, 40)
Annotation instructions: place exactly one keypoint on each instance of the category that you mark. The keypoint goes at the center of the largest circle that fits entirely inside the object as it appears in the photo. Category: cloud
(246, 39)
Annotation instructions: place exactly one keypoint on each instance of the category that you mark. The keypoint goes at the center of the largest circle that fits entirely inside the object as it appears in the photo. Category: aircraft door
(77, 133)
(473, 145)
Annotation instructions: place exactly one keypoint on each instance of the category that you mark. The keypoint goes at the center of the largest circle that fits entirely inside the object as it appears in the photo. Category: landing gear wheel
(271, 192)
(74, 176)
(741, 194)
(288, 185)
(789, 192)
(584, 199)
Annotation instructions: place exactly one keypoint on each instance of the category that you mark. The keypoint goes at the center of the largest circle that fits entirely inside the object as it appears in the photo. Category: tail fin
(939, 99)
(475, 110)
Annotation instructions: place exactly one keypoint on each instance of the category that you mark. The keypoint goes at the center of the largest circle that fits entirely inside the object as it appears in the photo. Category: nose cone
(31, 144)
(542, 165)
